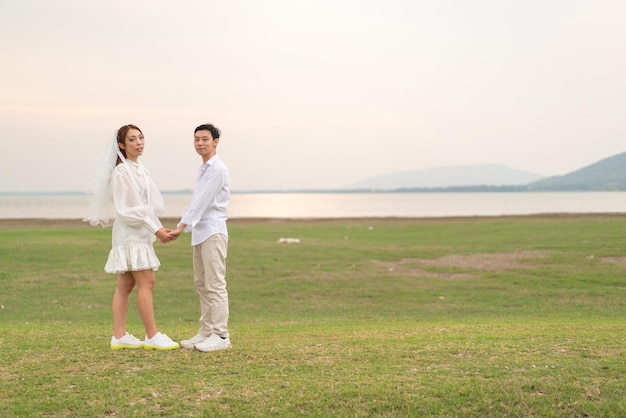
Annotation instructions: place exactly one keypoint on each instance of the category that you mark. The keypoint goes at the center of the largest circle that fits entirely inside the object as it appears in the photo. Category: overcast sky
(309, 94)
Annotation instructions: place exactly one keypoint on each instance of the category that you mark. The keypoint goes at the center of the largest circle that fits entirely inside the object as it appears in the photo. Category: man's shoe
(127, 341)
(190, 343)
(214, 343)
(160, 342)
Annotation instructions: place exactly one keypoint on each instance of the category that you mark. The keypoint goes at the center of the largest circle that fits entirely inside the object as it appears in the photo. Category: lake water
(345, 205)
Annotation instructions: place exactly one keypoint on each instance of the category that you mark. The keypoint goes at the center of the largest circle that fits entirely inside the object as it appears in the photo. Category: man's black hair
(215, 133)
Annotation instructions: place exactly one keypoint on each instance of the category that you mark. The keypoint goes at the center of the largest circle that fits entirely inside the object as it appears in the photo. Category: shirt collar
(137, 166)
(212, 160)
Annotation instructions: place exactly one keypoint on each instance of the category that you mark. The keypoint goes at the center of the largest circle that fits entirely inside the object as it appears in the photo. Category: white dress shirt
(206, 215)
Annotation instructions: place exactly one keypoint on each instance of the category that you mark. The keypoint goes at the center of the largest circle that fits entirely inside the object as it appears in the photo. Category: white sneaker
(214, 343)
(190, 343)
(160, 342)
(127, 341)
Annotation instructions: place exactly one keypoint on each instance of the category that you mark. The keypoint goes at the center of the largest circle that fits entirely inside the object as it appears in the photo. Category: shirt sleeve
(129, 206)
(203, 197)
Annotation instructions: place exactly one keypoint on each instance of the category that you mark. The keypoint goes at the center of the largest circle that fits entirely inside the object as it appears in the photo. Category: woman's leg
(125, 284)
(145, 284)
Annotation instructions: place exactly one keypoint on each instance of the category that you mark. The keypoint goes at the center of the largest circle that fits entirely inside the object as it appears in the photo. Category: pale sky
(309, 94)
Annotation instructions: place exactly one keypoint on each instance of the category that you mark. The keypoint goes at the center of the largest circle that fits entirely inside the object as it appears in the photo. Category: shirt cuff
(187, 226)
(152, 227)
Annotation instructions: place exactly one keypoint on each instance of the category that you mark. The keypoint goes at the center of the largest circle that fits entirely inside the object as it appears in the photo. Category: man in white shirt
(206, 218)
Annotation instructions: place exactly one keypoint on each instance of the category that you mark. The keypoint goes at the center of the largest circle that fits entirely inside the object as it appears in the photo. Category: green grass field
(480, 317)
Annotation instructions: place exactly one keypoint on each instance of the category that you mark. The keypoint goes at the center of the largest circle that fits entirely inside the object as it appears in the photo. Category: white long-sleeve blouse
(138, 203)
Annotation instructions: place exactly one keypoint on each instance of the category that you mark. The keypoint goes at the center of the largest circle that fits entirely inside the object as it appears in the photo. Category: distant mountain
(452, 176)
(608, 174)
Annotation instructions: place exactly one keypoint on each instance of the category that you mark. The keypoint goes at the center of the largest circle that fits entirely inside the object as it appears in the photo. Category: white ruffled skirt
(132, 257)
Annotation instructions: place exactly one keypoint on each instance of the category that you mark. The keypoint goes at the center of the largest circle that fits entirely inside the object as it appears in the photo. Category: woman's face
(133, 144)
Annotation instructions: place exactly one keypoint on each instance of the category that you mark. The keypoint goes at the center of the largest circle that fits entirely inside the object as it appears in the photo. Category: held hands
(167, 235)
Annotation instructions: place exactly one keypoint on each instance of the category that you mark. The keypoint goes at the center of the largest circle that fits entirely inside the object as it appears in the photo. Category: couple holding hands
(124, 195)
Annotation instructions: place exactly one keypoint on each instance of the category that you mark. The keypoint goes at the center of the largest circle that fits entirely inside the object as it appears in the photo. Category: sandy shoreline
(171, 222)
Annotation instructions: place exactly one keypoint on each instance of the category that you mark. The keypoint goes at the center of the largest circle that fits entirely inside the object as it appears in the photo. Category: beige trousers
(209, 270)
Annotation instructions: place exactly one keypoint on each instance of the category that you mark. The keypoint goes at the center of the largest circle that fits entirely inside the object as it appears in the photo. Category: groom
(206, 218)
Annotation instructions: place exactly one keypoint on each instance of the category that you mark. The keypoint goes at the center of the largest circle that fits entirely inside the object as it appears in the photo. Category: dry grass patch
(621, 261)
(495, 262)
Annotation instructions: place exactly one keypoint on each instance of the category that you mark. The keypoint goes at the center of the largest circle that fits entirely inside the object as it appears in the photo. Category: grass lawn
(478, 317)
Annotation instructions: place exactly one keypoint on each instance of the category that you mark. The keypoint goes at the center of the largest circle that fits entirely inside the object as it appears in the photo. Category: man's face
(205, 144)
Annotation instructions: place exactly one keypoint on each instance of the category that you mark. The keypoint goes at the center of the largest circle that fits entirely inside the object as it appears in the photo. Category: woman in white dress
(135, 202)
